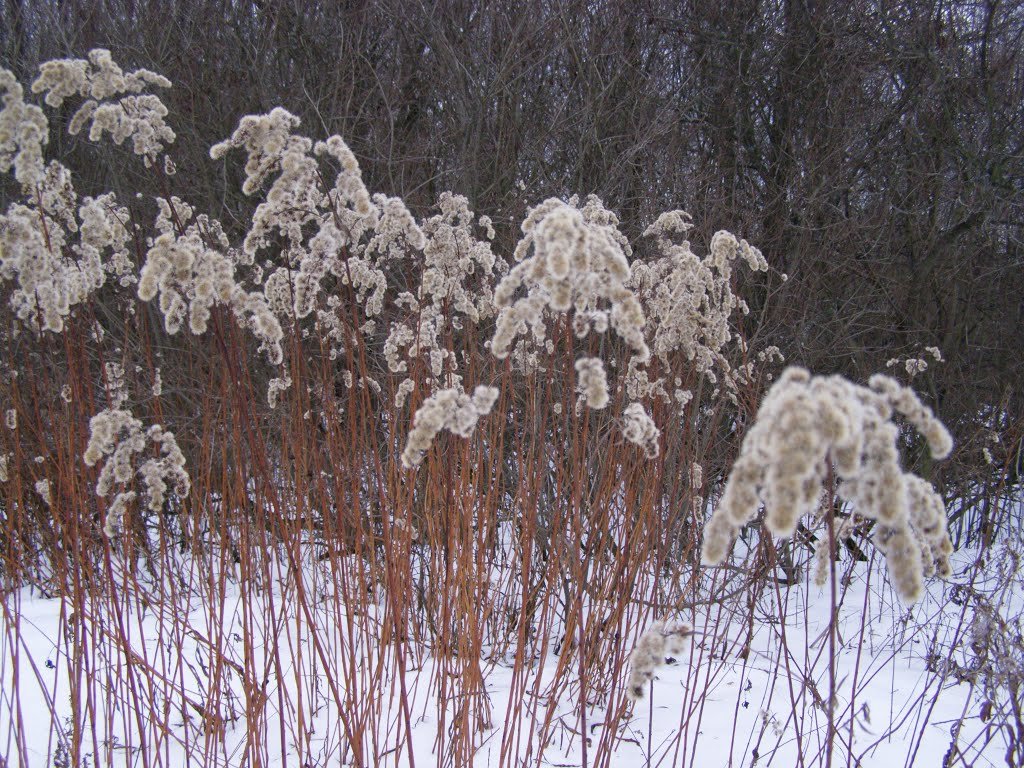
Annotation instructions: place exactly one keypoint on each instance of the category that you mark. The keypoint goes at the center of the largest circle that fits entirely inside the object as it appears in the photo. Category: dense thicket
(872, 150)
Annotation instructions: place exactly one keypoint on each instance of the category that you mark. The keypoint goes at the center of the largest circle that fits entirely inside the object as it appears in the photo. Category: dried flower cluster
(116, 386)
(276, 386)
(570, 258)
(318, 226)
(345, 234)
(689, 300)
(639, 428)
(321, 233)
(650, 652)
(591, 381)
(57, 251)
(449, 409)
(928, 523)
(455, 286)
(117, 436)
(807, 424)
(114, 101)
(38, 252)
(915, 365)
(24, 131)
(188, 268)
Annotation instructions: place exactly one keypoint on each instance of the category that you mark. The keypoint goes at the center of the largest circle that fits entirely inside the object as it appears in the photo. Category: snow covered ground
(221, 681)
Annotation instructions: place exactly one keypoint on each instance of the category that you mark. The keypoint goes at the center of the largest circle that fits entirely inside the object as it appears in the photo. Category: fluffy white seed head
(591, 381)
(570, 257)
(24, 131)
(804, 424)
(639, 429)
(449, 409)
(690, 299)
(650, 653)
(117, 439)
(115, 101)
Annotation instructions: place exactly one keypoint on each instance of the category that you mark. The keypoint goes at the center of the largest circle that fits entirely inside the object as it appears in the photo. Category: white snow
(898, 692)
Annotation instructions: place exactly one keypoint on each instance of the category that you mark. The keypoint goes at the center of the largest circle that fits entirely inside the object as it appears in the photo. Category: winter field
(278, 675)
(341, 484)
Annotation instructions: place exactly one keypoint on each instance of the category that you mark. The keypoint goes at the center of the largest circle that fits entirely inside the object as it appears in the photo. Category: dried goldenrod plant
(807, 425)
(117, 438)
